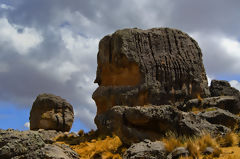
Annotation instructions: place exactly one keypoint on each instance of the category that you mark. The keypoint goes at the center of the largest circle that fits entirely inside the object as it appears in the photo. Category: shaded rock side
(156, 66)
(31, 144)
(134, 124)
(51, 112)
(220, 116)
(146, 150)
(222, 88)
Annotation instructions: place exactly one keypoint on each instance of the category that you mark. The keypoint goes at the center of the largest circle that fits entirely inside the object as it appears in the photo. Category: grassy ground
(91, 145)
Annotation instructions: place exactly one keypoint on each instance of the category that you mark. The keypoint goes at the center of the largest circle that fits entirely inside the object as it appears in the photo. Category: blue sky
(51, 46)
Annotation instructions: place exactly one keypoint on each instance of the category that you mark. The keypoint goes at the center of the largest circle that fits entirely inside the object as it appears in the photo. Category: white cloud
(65, 70)
(27, 125)
(7, 7)
(235, 84)
(21, 38)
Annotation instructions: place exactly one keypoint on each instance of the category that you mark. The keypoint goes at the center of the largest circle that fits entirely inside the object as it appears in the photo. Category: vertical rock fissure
(176, 42)
(63, 116)
(55, 112)
(140, 52)
(57, 121)
(152, 53)
(168, 39)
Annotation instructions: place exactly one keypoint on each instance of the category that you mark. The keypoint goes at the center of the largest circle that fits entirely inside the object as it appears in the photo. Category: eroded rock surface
(156, 66)
(222, 88)
(134, 124)
(32, 144)
(146, 150)
(230, 103)
(51, 112)
(220, 116)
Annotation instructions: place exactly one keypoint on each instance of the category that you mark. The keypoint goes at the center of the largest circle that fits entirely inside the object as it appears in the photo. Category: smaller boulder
(51, 112)
(178, 152)
(222, 88)
(146, 150)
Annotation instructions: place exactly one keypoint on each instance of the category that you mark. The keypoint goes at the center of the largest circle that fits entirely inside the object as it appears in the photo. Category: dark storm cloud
(64, 62)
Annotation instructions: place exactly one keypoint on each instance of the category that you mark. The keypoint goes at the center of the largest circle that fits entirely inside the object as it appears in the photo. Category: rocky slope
(33, 144)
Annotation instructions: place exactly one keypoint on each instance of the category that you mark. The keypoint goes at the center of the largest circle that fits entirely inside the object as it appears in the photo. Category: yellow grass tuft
(230, 139)
(171, 142)
(206, 141)
(217, 152)
(193, 149)
(105, 149)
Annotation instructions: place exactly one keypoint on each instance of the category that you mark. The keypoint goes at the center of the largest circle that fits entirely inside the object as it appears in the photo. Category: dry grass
(206, 141)
(193, 149)
(230, 139)
(93, 145)
(171, 142)
(106, 148)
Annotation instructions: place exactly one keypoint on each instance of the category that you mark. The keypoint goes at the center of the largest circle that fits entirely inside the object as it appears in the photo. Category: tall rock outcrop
(156, 66)
(51, 112)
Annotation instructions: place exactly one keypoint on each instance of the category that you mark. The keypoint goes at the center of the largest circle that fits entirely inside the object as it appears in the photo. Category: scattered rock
(220, 116)
(31, 144)
(222, 88)
(156, 66)
(51, 112)
(178, 152)
(208, 151)
(230, 103)
(146, 150)
(134, 124)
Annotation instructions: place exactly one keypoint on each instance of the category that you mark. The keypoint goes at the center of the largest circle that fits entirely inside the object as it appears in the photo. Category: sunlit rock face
(156, 66)
(51, 112)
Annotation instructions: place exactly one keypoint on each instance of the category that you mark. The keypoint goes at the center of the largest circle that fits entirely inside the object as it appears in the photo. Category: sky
(50, 46)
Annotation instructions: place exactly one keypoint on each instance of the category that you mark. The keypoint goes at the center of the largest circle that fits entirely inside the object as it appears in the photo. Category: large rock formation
(156, 66)
(51, 112)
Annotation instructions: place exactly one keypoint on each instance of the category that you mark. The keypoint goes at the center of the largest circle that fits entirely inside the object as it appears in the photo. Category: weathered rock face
(230, 103)
(146, 150)
(51, 112)
(222, 88)
(156, 66)
(134, 124)
(220, 116)
(32, 144)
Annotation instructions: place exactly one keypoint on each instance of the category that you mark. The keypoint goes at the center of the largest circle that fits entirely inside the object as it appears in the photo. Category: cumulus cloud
(22, 39)
(51, 46)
